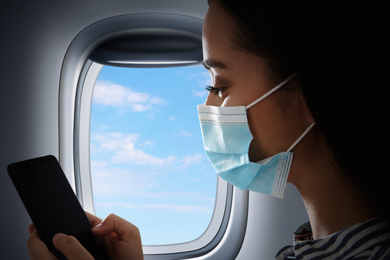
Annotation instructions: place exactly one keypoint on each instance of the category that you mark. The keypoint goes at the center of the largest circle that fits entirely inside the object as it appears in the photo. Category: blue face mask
(226, 138)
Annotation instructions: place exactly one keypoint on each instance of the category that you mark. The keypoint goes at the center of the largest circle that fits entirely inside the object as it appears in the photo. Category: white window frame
(225, 233)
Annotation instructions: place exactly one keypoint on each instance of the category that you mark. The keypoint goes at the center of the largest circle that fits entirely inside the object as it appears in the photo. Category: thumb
(70, 247)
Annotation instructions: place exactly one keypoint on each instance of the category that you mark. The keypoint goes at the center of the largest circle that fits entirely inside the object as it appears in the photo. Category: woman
(330, 108)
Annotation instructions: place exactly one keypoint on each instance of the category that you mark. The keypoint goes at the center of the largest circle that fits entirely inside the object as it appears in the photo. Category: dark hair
(340, 53)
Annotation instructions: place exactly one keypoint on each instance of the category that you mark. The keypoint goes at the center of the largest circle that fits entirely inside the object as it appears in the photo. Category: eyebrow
(209, 64)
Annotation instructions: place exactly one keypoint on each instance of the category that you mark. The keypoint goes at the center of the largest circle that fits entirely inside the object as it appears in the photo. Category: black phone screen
(52, 204)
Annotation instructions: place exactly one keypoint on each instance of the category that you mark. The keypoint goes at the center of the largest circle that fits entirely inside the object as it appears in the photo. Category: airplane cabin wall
(271, 224)
(35, 36)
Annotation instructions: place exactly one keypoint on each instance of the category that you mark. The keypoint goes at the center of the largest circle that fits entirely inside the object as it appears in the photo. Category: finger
(93, 219)
(31, 228)
(70, 247)
(120, 238)
(124, 229)
(37, 248)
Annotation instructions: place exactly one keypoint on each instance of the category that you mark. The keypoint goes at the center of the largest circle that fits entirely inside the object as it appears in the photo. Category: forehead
(220, 45)
(218, 30)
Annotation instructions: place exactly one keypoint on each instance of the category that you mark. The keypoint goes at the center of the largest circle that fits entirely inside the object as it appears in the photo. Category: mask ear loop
(270, 92)
(300, 138)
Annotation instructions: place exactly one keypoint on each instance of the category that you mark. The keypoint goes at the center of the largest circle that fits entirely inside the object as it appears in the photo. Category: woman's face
(240, 78)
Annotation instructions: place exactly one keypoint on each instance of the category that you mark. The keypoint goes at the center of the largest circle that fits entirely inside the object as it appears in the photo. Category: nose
(213, 100)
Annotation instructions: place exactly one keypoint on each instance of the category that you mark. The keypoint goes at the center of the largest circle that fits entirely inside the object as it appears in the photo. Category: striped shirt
(367, 240)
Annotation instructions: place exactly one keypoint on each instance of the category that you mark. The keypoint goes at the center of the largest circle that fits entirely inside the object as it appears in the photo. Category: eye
(216, 91)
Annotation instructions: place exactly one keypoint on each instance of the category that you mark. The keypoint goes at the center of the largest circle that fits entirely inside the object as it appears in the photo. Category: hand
(120, 239)
(36, 248)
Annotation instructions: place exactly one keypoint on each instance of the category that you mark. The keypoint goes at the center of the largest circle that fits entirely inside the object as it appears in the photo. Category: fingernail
(97, 227)
(58, 237)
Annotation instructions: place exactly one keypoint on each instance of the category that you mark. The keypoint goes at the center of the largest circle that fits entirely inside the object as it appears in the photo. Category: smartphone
(52, 204)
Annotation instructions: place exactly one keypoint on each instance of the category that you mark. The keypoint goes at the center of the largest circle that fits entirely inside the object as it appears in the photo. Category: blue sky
(147, 158)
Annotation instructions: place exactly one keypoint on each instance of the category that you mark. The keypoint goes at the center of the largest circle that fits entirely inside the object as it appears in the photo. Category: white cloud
(159, 206)
(199, 93)
(123, 149)
(179, 208)
(109, 181)
(109, 94)
(192, 159)
(185, 133)
(147, 143)
(120, 168)
(203, 80)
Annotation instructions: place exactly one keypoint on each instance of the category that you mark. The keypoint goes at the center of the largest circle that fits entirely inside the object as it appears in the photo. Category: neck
(332, 207)
(329, 197)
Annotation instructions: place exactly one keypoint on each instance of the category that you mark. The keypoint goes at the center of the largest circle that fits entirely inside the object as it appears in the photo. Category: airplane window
(130, 141)
(147, 159)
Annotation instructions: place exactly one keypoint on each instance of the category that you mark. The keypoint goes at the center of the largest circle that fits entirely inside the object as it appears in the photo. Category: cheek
(265, 134)
(271, 129)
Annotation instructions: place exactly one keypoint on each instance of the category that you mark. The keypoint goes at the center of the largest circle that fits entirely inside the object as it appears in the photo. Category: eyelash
(216, 91)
